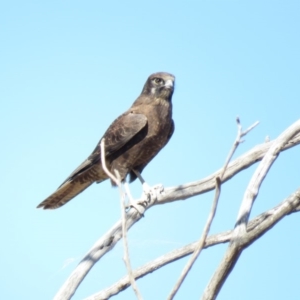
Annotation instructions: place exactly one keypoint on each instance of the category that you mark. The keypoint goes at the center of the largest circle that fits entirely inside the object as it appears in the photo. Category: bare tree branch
(238, 244)
(262, 170)
(100, 248)
(199, 187)
(109, 240)
(197, 252)
(236, 143)
(255, 229)
(288, 206)
(125, 243)
(118, 182)
(103, 163)
(200, 243)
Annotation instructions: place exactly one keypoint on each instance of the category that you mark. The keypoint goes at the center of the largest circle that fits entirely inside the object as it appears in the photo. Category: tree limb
(201, 242)
(181, 192)
(238, 243)
(118, 182)
(185, 191)
(255, 229)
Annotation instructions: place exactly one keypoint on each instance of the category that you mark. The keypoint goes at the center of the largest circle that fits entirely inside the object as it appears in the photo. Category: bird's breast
(159, 120)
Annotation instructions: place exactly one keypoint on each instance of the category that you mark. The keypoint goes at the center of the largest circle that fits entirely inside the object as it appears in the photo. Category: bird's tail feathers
(63, 194)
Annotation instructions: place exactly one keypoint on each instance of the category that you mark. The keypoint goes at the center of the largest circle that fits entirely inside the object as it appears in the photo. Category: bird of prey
(131, 141)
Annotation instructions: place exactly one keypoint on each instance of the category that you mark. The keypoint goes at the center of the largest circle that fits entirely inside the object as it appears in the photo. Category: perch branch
(255, 229)
(200, 245)
(118, 182)
(239, 239)
(185, 191)
(182, 192)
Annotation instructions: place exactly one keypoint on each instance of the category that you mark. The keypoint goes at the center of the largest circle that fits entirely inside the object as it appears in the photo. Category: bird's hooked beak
(169, 84)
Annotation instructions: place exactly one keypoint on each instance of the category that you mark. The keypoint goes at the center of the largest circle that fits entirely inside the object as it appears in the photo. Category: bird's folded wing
(121, 131)
(117, 135)
(87, 164)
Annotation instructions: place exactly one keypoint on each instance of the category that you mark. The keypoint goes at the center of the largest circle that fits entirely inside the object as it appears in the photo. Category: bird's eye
(158, 80)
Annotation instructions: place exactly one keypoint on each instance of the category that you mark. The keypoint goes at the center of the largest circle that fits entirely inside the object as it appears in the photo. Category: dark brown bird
(131, 141)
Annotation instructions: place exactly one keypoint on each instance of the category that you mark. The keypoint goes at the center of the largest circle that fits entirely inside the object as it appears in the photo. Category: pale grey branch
(239, 237)
(117, 180)
(200, 243)
(262, 170)
(100, 248)
(109, 240)
(255, 228)
(199, 187)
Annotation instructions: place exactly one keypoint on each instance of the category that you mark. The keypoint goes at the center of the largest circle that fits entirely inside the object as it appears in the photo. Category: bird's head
(160, 85)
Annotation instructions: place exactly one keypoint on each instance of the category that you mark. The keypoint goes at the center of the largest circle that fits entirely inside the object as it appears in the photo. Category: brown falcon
(131, 141)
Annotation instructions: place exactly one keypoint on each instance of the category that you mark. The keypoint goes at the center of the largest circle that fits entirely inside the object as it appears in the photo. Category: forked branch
(255, 229)
(239, 239)
(212, 213)
(185, 191)
(117, 180)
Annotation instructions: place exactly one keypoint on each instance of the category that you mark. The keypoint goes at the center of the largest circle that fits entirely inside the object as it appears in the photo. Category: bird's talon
(159, 188)
(135, 205)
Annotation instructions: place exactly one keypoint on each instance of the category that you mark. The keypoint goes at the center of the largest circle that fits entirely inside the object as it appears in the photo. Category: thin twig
(185, 191)
(195, 188)
(255, 229)
(236, 143)
(238, 242)
(103, 162)
(250, 128)
(117, 180)
(200, 243)
(197, 252)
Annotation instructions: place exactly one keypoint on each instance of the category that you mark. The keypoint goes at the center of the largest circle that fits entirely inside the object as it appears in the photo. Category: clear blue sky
(69, 68)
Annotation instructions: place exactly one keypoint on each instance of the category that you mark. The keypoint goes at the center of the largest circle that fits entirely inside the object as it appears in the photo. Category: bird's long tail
(63, 194)
(77, 182)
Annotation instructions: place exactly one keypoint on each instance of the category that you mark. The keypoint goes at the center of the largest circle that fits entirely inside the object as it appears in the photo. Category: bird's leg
(131, 202)
(118, 181)
(149, 192)
(146, 186)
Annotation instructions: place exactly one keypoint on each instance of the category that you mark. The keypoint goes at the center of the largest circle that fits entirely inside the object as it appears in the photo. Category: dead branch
(182, 192)
(197, 252)
(243, 162)
(238, 243)
(255, 229)
(200, 243)
(118, 182)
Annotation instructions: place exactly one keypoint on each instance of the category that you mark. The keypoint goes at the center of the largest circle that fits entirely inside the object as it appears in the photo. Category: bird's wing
(120, 132)
(117, 135)
(87, 164)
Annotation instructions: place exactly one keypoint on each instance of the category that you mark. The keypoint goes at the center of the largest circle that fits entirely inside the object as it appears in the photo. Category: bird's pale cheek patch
(153, 91)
